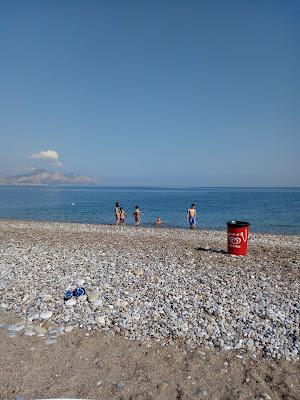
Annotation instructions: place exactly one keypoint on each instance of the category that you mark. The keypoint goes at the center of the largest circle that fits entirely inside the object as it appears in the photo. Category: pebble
(162, 387)
(39, 330)
(48, 297)
(70, 302)
(100, 320)
(80, 282)
(97, 302)
(120, 385)
(11, 334)
(69, 328)
(29, 333)
(47, 325)
(46, 314)
(33, 317)
(139, 272)
(266, 396)
(49, 342)
(93, 296)
(15, 327)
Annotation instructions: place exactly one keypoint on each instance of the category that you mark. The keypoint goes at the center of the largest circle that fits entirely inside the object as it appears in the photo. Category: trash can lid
(237, 224)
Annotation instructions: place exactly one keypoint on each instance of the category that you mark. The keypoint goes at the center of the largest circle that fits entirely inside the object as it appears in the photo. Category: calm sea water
(274, 210)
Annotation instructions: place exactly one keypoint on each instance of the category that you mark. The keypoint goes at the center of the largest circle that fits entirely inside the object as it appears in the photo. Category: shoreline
(145, 226)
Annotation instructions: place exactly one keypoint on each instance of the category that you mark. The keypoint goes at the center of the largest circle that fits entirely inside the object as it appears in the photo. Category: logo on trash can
(234, 240)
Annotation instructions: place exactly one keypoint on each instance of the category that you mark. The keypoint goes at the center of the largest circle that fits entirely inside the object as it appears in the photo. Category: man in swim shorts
(191, 216)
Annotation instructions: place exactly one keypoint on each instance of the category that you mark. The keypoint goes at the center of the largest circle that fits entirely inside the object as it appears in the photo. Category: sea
(274, 210)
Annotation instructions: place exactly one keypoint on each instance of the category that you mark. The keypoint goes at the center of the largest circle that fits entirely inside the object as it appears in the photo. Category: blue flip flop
(79, 292)
(68, 295)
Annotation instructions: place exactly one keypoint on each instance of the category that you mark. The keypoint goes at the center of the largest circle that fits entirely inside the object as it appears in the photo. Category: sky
(163, 93)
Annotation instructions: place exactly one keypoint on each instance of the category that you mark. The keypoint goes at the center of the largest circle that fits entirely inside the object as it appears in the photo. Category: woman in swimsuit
(117, 213)
(122, 216)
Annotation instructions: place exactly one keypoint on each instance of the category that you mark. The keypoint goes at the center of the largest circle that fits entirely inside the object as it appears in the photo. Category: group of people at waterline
(121, 215)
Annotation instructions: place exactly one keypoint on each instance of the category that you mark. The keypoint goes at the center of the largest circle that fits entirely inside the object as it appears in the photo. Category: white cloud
(48, 155)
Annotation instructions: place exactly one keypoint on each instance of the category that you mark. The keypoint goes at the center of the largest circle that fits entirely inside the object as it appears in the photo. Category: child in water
(122, 216)
(191, 216)
(158, 222)
(137, 215)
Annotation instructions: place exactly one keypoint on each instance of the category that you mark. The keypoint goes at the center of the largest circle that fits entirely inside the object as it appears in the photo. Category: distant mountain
(43, 177)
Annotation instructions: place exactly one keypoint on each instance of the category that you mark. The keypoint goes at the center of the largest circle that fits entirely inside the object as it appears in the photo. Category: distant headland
(43, 177)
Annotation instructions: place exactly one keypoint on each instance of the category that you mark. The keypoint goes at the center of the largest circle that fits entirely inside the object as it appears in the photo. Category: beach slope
(168, 314)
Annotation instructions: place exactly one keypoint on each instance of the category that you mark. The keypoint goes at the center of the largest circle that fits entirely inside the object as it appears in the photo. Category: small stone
(46, 314)
(266, 396)
(120, 385)
(15, 327)
(69, 328)
(100, 320)
(47, 325)
(33, 317)
(56, 331)
(11, 334)
(4, 306)
(121, 303)
(29, 333)
(80, 282)
(39, 330)
(49, 342)
(93, 296)
(162, 387)
(97, 302)
(139, 272)
(48, 297)
(70, 302)
(205, 393)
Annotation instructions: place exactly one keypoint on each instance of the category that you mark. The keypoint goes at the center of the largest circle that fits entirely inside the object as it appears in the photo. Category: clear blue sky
(201, 93)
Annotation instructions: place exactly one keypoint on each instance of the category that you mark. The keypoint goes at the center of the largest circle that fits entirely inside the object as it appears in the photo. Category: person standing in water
(158, 222)
(191, 216)
(122, 216)
(137, 215)
(117, 213)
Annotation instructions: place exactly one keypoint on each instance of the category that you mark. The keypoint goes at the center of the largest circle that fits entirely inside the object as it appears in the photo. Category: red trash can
(237, 236)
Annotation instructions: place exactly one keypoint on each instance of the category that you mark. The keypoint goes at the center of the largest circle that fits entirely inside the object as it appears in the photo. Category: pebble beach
(171, 287)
